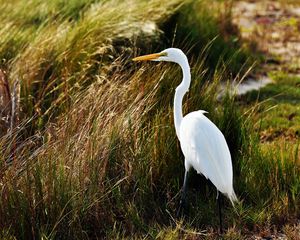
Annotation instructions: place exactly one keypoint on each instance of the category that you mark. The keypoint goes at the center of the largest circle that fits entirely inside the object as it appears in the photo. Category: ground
(273, 29)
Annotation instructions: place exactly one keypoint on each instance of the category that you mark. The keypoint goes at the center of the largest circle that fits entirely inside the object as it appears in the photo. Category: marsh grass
(111, 166)
(56, 54)
(95, 153)
(111, 161)
(277, 157)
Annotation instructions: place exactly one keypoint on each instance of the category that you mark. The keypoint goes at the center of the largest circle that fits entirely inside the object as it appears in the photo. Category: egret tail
(232, 197)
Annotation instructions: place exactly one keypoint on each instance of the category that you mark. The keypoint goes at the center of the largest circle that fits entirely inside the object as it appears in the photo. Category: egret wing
(206, 150)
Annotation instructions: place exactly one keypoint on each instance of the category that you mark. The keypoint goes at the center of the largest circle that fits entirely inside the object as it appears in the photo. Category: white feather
(205, 149)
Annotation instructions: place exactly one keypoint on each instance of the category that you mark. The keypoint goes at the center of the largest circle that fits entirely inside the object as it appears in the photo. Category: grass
(278, 114)
(275, 121)
(95, 155)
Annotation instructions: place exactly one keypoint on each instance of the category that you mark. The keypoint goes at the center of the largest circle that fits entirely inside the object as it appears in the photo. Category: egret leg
(219, 197)
(182, 204)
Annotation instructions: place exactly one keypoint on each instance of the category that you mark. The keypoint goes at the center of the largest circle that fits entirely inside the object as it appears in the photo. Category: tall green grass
(112, 165)
(56, 55)
(115, 161)
(98, 157)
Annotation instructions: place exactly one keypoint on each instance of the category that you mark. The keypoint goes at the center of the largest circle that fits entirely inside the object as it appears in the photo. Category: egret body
(202, 143)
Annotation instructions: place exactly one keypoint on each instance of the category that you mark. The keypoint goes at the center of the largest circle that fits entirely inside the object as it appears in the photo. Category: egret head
(167, 55)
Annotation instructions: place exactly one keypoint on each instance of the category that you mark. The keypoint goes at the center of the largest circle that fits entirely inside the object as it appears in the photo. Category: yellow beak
(147, 57)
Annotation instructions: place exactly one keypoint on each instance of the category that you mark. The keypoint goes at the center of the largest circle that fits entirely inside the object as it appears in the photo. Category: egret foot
(182, 205)
(182, 210)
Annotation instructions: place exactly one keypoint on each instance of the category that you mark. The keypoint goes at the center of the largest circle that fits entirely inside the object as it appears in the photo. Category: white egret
(202, 143)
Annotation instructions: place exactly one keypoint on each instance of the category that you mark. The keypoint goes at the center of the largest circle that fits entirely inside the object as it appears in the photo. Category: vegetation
(93, 151)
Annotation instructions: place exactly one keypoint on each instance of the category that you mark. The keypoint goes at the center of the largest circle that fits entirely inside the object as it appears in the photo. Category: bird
(203, 144)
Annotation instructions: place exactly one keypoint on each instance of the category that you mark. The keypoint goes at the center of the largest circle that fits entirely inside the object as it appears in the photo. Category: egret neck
(180, 92)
